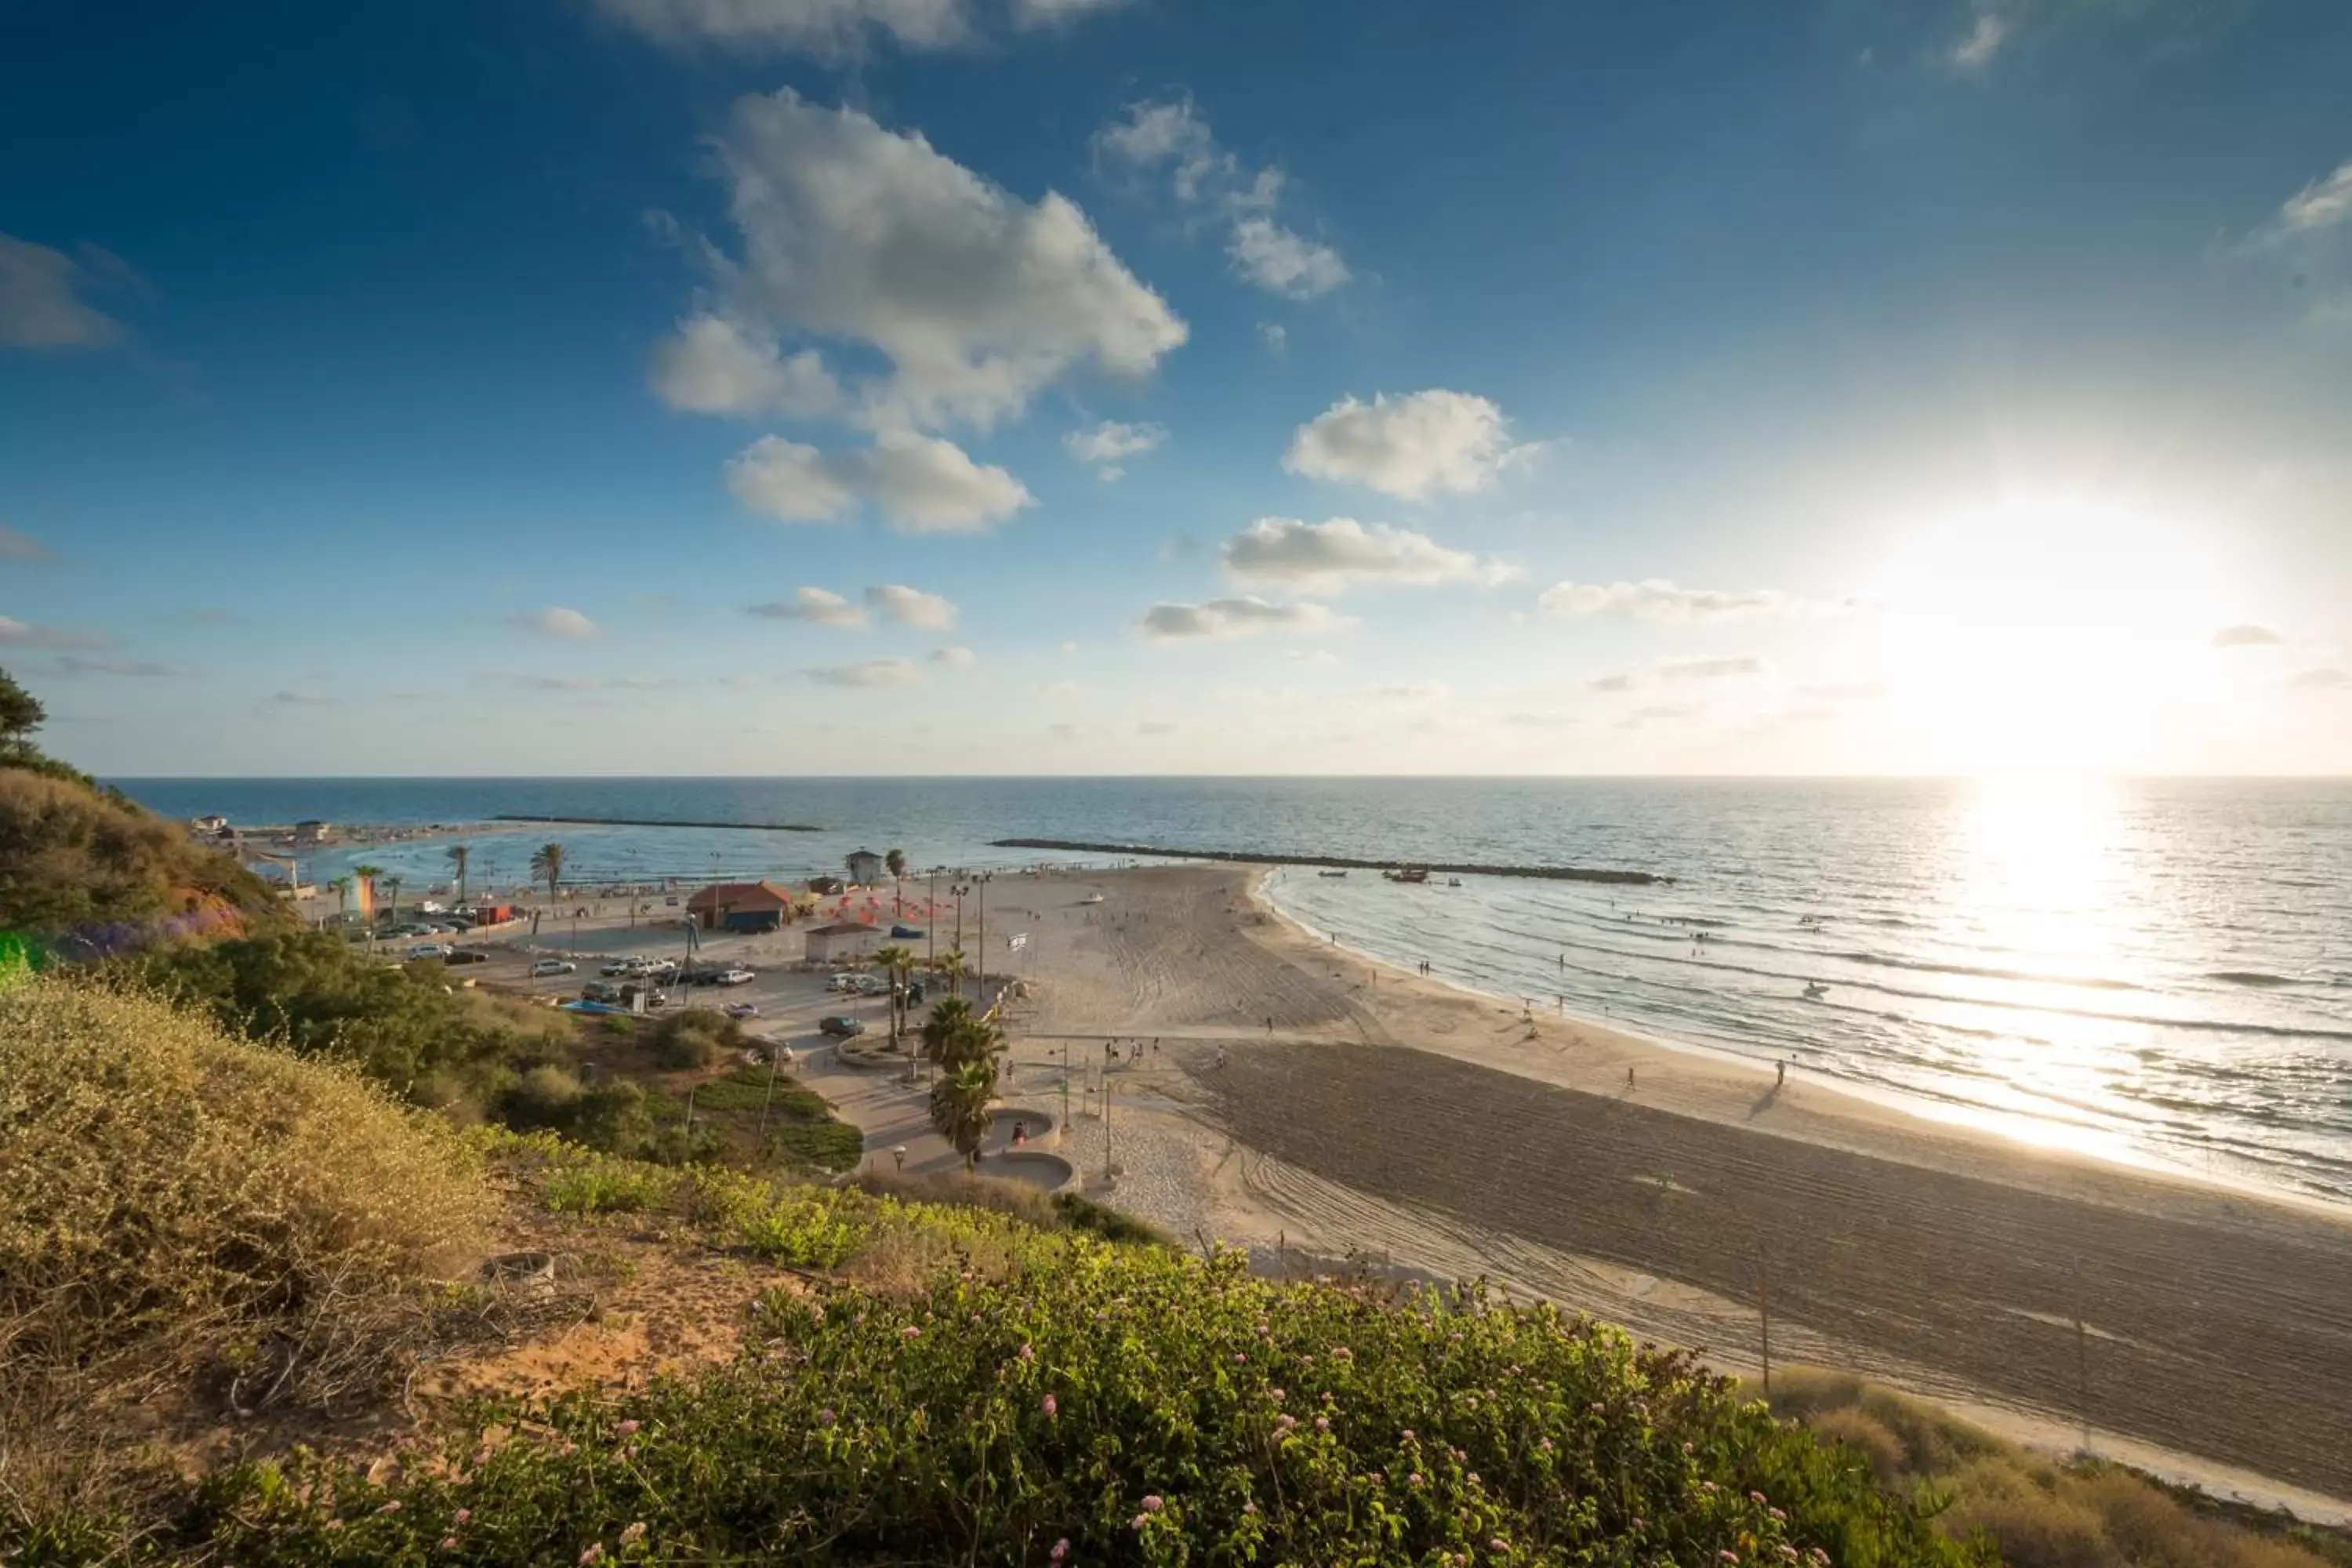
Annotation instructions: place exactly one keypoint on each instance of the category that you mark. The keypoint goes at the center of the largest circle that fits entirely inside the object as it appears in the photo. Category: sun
(2050, 633)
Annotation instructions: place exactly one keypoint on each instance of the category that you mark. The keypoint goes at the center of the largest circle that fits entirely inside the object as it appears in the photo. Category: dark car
(842, 1025)
(467, 955)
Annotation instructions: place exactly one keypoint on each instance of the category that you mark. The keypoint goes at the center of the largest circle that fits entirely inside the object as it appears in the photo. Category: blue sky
(1127, 385)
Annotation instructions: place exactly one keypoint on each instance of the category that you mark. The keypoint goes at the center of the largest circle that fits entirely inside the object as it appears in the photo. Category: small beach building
(312, 831)
(865, 866)
(213, 824)
(727, 905)
(843, 941)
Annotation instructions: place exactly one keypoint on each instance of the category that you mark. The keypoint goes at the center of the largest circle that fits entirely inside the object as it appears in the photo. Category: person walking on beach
(1780, 1072)
(1629, 1077)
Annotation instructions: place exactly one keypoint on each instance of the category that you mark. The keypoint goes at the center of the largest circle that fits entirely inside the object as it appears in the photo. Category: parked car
(617, 966)
(842, 1027)
(429, 950)
(735, 976)
(741, 1009)
(547, 966)
(467, 955)
(869, 984)
(600, 991)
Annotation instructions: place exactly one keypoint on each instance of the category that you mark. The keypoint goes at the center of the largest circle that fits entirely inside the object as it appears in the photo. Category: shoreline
(1312, 1104)
(1870, 1102)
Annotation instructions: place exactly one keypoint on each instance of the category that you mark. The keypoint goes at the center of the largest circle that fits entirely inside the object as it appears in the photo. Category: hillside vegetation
(89, 871)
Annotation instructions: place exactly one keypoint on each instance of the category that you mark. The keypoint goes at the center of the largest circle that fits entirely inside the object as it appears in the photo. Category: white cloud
(75, 664)
(2323, 204)
(1710, 669)
(812, 27)
(16, 546)
(1275, 336)
(303, 698)
(1984, 40)
(1155, 726)
(709, 366)
(1110, 443)
(1657, 599)
(958, 657)
(1172, 135)
(1610, 683)
(1844, 691)
(40, 300)
(1408, 446)
(555, 621)
(911, 607)
(870, 237)
(2246, 636)
(14, 632)
(1413, 691)
(1237, 618)
(1283, 262)
(874, 673)
(821, 606)
(1323, 657)
(2321, 681)
(923, 484)
(1534, 720)
(1330, 557)
(1053, 13)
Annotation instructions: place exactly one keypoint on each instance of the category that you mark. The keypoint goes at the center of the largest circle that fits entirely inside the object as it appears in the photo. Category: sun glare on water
(2050, 635)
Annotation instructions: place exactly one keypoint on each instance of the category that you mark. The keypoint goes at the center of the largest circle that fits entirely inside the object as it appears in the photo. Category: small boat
(1453, 881)
(1092, 899)
(1414, 873)
(1815, 991)
(1330, 873)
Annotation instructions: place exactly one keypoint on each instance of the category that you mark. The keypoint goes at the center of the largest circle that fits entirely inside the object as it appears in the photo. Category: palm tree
(458, 855)
(960, 1107)
(392, 896)
(368, 873)
(946, 1018)
(951, 964)
(897, 961)
(343, 890)
(547, 861)
(895, 862)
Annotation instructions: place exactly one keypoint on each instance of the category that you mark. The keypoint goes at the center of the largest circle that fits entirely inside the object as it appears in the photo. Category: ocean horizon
(2149, 970)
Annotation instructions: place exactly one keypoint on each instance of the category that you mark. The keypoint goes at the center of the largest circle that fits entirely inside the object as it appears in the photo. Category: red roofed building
(740, 906)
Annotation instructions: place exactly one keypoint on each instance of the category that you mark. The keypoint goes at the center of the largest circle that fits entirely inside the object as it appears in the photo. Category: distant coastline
(651, 822)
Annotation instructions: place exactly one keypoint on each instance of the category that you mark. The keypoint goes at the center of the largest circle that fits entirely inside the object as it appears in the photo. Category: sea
(2153, 971)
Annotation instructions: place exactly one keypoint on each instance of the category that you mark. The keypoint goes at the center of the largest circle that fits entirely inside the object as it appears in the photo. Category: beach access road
(1271, 1090)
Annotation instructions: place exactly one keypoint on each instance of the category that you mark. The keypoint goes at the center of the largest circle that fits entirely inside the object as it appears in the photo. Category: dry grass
(2039, 1514)
(185, 1215)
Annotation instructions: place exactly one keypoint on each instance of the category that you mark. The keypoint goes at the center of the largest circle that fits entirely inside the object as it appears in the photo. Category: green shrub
(697, 1038)
(1082, 1213)
(1140, 1405)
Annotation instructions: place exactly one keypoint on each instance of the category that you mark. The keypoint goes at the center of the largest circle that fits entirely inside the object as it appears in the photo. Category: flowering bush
(1099, 1403)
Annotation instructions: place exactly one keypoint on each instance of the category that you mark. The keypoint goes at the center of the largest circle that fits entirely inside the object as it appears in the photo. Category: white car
(547, 966)
(429, 950)
(737, 977)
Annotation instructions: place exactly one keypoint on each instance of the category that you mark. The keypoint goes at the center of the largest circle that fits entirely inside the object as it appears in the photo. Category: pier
(1341, 862)
(651, 822)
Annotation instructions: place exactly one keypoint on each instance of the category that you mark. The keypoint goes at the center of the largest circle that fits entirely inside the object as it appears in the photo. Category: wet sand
(1304, 1101)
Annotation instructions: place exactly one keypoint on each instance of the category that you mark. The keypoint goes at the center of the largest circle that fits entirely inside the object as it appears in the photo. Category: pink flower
(1728, 1556)
(1153, 1502)
(1249, 1505)
(629, 1428)
(1779, 1515)
(1061, 1550)
(825, 1418)
(1051, 1409)
(1544, 1445)
(1276, 1395)
(1240, 1356)
(1029, 1354)
(1285, 1422)
(910, 1332)
(1757, 1498)
(595, 1553)
(461, 1516)
(1472, 1478)
(1498, 1544)
(1341, 1353)
(1139, 1522)
(389, 1507)
(1322, 1424)
(1413, 1479)
(448, 1543)
(634, 1535)
(1408, 1435)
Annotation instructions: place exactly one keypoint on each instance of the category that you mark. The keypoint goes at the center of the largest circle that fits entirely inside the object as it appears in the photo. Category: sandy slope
(1298, 1098)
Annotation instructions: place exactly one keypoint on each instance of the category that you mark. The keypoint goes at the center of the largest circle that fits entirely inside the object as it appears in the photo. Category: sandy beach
(1272, 1090)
